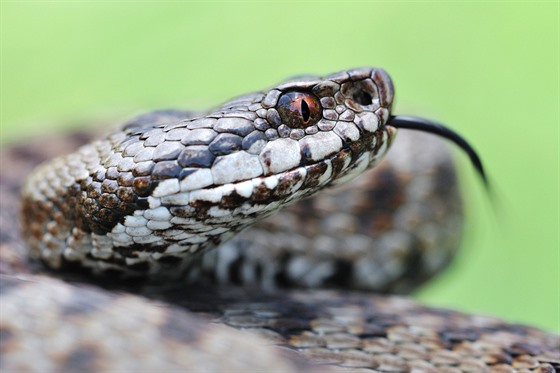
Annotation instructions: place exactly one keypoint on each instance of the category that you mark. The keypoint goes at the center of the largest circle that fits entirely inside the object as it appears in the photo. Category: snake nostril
(362, 97)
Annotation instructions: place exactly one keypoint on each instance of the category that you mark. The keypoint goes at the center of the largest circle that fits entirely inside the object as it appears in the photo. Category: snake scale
(128, 260)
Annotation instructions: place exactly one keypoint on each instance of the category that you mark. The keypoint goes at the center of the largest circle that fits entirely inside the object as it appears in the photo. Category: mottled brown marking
(232, 200)
(179, 211)
(339, 160)
(125, 179)
(107, 216)
(89, 206)
(142, 186)
(126, 195)
(261, 193)
(93, 190)
(109, 186)
(314, 173)
(109, 200)
(285, 183)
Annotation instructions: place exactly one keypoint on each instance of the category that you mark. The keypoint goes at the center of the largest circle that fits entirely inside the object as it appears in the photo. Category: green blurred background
(489, 70)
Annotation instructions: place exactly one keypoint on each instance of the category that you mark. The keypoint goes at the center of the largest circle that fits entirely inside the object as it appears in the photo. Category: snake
(266, 234)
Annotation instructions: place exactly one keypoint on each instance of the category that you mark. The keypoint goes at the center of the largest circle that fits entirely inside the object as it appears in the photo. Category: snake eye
(299, 109)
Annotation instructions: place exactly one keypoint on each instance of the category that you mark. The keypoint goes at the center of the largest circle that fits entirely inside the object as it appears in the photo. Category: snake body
(151, 200)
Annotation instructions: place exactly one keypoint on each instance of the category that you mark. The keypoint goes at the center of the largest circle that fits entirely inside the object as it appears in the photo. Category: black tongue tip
(424, 125)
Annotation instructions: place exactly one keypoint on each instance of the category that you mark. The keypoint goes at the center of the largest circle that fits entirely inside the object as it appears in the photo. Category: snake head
(170, 184)
(337, 122)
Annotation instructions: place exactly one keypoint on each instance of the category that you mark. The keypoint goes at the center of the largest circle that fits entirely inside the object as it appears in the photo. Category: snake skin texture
(387, 231)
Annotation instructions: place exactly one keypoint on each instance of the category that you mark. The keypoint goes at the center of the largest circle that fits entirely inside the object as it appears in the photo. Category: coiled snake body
(142, 209)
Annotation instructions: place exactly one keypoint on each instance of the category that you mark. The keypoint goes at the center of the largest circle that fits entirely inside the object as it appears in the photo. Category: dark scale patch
(127, 195)
(341, 275)
(89, 206)
(339, 160)
(142, 186)
(261, 193)
(181, 212)
(285, 183)
(94, 190)
(142, 203)
(102, 214)
(103, 222)
(232, 200)
(170, 259)
(234, 270)
(133, 250)
(81, 359)
(109, 200)
(125, 179)
(379, 135)
(109, 186)
(200, 207)
(107, 215)
(358, 148)
(166, 170)
(225, 143)
(307, 155)
(196, 156)
(281, 277)
(314, 173)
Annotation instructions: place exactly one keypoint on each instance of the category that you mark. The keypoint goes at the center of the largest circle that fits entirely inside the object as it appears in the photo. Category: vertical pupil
(305, 113)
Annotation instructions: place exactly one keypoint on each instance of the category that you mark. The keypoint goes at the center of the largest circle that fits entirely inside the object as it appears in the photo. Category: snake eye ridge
(299, 109)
